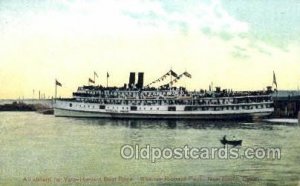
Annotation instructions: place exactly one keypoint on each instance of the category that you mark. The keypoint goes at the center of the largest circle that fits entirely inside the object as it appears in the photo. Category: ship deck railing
(142, 98)
(166, 104)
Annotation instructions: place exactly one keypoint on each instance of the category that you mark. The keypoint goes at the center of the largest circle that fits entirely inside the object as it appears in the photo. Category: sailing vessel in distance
(165, 102)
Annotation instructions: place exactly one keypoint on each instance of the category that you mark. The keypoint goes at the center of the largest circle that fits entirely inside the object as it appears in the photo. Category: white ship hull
(63, 109)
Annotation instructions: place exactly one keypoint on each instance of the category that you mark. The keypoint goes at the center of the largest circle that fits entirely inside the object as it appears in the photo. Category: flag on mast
(172, 73)
(274, 79)
(91, 81)
(107, 76)
(187, 74)
(58, 83)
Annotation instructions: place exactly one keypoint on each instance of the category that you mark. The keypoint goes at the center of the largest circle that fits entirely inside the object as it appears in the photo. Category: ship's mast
(171, 79)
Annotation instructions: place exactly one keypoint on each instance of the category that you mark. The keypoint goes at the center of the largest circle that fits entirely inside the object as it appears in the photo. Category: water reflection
(180, 124)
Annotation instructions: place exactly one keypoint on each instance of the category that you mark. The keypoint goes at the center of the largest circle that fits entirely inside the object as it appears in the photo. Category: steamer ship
(164, 102)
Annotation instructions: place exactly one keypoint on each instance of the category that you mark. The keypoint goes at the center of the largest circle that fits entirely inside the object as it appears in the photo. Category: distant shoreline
(24, 107)
(17, 106)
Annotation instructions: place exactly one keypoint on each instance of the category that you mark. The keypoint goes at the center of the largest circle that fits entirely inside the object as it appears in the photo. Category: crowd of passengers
(160, 94)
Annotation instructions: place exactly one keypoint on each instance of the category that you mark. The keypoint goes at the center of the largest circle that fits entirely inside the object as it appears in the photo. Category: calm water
(40, 149)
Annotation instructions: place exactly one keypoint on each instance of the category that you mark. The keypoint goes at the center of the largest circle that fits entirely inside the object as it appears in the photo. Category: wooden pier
(286, 104)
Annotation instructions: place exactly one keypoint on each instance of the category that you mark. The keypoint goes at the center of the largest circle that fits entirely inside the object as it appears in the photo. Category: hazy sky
(232, 43)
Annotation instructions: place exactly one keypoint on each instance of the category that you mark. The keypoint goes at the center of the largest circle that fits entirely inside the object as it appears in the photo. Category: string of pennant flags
(170, 73)
(173, 74)
(186, 74)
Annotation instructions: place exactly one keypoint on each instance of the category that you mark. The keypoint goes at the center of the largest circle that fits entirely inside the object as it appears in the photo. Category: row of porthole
(71, 105)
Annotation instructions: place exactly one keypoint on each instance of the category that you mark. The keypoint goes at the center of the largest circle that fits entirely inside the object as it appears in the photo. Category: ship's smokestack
(131, 80)
(140, 82)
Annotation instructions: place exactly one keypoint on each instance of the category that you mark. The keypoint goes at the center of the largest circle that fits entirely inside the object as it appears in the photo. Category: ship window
(188, 108)
(133, 108)
(102, 107)
(171, 108)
